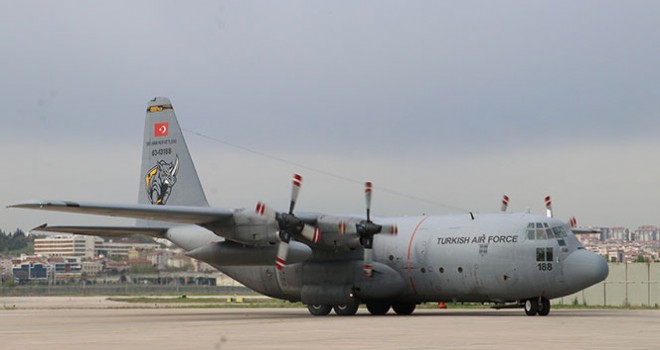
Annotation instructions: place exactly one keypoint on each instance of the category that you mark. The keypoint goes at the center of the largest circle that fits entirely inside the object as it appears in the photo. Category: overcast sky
(453, 102)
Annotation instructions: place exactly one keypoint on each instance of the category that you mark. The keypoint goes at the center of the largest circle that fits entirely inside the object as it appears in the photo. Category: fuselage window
(544, 254)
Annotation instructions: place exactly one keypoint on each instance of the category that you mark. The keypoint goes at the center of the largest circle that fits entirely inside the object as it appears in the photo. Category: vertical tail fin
(167, 175)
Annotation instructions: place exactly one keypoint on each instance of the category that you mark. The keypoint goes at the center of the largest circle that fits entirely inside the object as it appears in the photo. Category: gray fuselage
(496, 257)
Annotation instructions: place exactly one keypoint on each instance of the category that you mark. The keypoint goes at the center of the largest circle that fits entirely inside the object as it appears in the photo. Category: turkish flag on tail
(161, 129)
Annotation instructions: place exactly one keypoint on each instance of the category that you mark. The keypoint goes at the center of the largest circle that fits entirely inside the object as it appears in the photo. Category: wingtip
(40, 227)
(29, 204)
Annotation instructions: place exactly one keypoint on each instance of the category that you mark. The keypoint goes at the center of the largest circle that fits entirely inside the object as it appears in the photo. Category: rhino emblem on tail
(160, 179)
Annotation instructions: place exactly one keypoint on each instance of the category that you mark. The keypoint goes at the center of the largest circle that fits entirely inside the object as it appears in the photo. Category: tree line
(16, 243)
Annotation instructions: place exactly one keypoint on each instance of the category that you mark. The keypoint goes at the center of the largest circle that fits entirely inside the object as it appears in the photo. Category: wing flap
(175, 214)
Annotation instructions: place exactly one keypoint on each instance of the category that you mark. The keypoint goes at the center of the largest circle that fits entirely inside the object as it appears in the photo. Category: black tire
(531, 306)
(544, 307)
(404, 308)
(346, 310)
(378, 308)
(319, 310)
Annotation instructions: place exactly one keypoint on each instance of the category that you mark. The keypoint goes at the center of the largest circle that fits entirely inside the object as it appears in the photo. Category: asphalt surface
(96, 323)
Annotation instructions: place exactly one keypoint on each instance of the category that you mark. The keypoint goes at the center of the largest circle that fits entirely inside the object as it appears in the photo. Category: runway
(95, 323)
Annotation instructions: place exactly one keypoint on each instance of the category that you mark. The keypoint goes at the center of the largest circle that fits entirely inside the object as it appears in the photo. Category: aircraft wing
(107, 231)
(175, 214)
(584, 230)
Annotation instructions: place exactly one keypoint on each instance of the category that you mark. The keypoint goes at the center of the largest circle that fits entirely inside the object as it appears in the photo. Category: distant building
(30, 268)
(65, 268)
(35, 268)
(619, 233)
(89, 247)
(179, 261)
(67, 245)
(124, 248)
(159, 257)
(616, 255)
(91, 268)
(646, 233)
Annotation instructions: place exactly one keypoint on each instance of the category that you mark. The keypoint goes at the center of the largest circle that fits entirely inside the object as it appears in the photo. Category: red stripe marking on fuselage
(409, 267)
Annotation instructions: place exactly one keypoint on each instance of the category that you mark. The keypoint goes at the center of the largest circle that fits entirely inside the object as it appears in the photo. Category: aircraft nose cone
(583, 268)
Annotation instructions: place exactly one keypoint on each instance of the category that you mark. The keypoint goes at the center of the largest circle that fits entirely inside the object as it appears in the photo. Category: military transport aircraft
(340, 262)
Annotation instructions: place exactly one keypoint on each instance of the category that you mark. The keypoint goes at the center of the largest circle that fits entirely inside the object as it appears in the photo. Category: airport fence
(635, 284)
(119, 289)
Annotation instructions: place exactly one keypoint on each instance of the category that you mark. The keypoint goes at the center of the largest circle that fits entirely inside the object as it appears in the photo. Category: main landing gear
(537, 306)
(375, 308)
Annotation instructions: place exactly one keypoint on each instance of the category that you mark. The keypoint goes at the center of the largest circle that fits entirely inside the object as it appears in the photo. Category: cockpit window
(543, 231)
(530, 230)
(549, 233)
(540, 234)
(559, 232)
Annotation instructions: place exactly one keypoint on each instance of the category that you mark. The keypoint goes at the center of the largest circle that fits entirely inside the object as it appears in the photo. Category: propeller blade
(312, 234)
(548, 206)
(505, 203)
(368, 268)
(296, 182)
(367, 196)
(368, 258)
(391, 229)
(341, 227)
(282, 250)
(572, 222)
(265, 211)
(344, 228)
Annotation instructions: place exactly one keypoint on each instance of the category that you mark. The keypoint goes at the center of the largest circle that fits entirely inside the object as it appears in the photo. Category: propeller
(289, 224)
(548, 206)
(572, 222)
(366, 229)
(505, 203)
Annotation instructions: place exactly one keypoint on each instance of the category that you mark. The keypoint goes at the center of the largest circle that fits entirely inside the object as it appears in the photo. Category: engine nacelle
(247, 228)
(338, 232)
(234, 254)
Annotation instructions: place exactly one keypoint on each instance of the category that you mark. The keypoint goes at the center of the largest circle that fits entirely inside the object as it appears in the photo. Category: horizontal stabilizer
(106, 231)
(176, 214)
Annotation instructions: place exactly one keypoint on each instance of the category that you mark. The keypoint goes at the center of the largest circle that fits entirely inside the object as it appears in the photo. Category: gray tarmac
(96, 323)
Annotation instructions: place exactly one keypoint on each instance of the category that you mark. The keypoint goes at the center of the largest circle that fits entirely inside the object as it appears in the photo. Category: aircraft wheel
(319, 310)
(531, 306)
(378, 307)
(404, 308)
(544, 307)
(346, 310)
